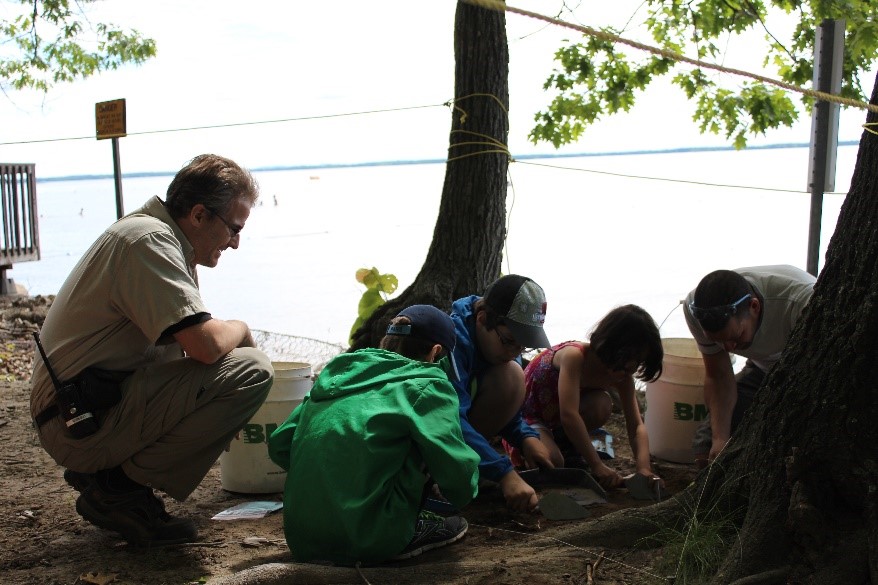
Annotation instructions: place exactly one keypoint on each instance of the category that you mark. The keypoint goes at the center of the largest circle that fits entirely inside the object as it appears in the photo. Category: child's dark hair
(413, 348)
(629, 334)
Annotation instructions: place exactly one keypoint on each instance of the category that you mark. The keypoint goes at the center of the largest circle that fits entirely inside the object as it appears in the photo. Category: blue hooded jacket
(471, 365)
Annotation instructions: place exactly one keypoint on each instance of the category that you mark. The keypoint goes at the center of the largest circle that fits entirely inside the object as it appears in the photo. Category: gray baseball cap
(522, 304)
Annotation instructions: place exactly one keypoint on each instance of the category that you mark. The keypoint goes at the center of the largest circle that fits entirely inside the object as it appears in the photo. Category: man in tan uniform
(182, 382)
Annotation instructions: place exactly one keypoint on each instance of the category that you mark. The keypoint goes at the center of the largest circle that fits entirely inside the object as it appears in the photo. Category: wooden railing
(19, 230)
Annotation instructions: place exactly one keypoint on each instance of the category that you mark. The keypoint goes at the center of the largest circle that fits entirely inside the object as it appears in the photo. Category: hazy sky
(225, 61)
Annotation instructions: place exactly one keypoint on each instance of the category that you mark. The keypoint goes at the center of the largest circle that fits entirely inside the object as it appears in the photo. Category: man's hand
(519, 495)
(536, 454)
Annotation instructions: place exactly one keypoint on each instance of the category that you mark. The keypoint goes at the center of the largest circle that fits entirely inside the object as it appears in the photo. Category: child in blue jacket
(492, 332)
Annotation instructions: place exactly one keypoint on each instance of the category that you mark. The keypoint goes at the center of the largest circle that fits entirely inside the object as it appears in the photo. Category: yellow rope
(489, 139)
(648, 178)
(494, 146)
(501, 6)
(463, 115)
(452, 159)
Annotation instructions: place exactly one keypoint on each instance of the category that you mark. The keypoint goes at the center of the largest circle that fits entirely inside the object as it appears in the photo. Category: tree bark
(466, 250)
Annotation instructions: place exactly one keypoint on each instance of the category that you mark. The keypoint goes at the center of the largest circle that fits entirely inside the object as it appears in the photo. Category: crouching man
(153, 388)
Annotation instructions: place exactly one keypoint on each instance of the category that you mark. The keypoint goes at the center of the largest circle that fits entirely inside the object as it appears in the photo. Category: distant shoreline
(142, 174)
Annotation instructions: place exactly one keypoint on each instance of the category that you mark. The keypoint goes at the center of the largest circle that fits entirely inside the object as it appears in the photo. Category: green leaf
(46, 44)
(594, 77)
(378, 286)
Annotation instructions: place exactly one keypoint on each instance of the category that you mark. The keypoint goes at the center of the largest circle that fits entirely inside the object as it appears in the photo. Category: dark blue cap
(430, 324)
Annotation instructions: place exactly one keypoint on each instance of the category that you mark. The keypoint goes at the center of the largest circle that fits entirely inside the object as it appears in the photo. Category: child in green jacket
(377, 429)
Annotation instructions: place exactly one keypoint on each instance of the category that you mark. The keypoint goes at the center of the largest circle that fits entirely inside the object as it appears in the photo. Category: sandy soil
(44, 541)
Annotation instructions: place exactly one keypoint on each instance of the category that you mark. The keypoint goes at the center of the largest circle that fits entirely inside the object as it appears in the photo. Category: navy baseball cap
(430, 324)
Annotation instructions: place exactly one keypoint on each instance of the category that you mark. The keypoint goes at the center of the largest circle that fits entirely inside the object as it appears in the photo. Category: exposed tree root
(773, 577)
(417, 574)
(631, 527)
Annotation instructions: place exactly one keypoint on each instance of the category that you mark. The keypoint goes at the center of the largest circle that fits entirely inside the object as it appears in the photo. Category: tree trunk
(804, 465)
(811, 447)
(466, 250)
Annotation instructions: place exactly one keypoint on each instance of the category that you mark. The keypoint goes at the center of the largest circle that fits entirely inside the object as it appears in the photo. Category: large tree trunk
(465, 253)
(802, 470)
(810, 450)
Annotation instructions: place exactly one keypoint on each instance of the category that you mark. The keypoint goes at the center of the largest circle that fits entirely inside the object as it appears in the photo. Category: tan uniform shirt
(134, 282)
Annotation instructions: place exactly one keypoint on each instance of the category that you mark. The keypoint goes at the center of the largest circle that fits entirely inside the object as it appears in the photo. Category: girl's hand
(607, 477)
(655, 482)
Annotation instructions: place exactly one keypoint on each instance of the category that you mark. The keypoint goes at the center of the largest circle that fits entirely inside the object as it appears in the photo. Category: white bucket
(246, 467)
(675, 402)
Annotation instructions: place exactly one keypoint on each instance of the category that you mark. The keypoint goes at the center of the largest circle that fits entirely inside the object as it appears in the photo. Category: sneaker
(138, 514)
(433, 531)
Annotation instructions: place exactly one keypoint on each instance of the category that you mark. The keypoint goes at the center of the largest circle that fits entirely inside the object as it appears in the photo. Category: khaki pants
(172, 423)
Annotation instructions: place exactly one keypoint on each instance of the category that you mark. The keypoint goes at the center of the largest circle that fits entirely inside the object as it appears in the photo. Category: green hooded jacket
(355, 451)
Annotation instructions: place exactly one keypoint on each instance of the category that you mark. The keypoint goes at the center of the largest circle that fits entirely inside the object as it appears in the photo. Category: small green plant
(695, 554)
(692, 553)
(378, 287)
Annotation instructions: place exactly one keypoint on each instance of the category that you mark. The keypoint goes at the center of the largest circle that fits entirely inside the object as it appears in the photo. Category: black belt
(46, 415)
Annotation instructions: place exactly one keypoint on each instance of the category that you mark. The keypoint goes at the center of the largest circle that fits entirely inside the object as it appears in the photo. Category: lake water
(583, 228)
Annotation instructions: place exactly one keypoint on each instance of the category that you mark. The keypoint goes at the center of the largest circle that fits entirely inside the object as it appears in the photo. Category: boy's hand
(519, 495)
(536, 454)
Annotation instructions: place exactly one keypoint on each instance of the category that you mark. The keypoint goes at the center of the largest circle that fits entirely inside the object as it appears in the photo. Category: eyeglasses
(509, 342)
(233, 229)
(719, 313)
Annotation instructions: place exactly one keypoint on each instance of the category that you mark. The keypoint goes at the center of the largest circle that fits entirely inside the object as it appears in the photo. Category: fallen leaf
(27, 515)
(254, 541)
(97, 578)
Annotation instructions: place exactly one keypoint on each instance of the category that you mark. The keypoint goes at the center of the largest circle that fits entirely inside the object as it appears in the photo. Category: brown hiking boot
(137, 514)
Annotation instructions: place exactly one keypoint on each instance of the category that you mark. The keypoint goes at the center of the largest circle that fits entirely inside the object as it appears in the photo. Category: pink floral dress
(541, 404)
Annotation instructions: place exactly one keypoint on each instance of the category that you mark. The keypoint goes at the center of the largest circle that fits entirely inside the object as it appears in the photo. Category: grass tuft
(694, 553)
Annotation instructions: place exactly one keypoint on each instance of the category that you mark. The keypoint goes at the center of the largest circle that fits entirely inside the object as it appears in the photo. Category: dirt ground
(44, 541)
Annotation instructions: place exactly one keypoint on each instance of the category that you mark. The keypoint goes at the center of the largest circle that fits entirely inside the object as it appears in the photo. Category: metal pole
(828, 54)
(117, 177)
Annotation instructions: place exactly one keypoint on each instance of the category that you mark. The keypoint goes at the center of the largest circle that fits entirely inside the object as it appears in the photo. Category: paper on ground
(249, 510)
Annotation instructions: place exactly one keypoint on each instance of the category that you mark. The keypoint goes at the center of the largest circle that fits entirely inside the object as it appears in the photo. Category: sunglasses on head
(721, 312)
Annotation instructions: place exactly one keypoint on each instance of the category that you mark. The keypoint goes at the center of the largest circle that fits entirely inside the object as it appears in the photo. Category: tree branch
(768, 32)
(33, 28)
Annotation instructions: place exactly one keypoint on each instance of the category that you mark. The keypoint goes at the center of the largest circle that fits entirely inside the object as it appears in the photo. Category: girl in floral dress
(567, 390)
